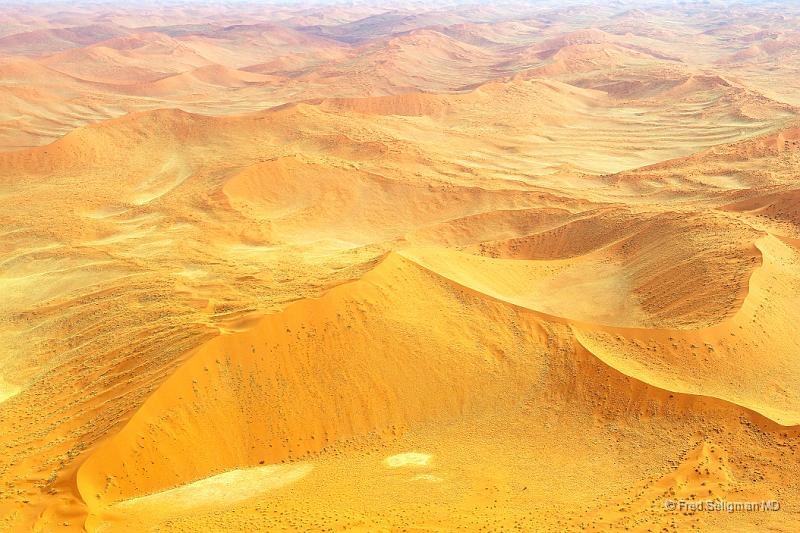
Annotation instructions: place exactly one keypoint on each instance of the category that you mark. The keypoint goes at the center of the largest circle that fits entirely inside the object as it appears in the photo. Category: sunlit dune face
(414, 267)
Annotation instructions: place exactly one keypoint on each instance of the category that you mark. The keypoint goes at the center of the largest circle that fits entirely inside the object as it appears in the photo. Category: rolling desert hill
(125, 60)
(421, 267)
(52, 40)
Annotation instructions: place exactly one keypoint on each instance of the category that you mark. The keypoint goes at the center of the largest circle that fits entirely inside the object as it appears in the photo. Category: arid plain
(399, 267)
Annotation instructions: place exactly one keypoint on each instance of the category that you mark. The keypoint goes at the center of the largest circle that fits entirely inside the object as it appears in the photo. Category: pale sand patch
(408, 459)
(105, 212)
(427, 477)
(172, 174)
(223, 489)
(7, 390)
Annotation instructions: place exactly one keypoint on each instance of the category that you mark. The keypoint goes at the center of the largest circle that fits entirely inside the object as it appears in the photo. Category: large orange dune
(411, 267)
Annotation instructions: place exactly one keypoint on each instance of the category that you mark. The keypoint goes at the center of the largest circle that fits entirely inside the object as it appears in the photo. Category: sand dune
(282, 418)
(51, 40)
(207, 78)
(295, 420)
(783, 206)
(128, 59)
